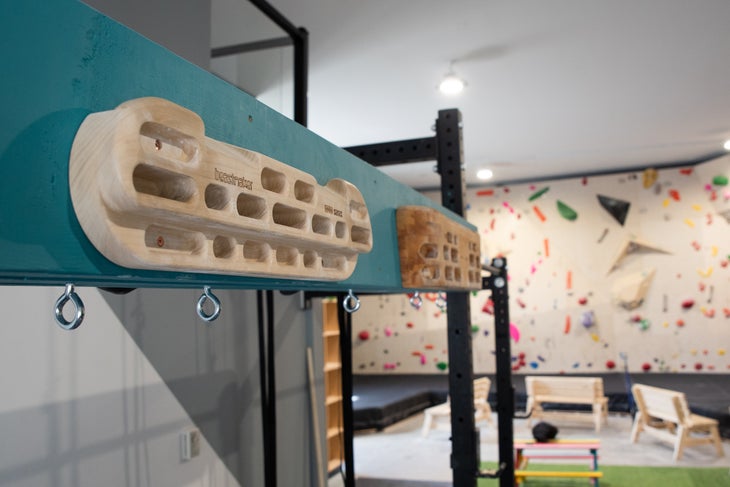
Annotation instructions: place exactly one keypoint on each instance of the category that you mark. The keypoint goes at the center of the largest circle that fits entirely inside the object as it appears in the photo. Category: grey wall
(183, 26)
(213, 371)
(105, 404)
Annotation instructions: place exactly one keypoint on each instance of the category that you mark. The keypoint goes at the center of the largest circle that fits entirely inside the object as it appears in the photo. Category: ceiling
(554, 88)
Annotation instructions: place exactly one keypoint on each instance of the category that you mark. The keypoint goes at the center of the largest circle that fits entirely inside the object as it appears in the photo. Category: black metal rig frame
(446, 148)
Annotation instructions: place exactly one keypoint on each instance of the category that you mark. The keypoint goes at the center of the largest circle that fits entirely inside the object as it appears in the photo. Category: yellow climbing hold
(665, 324)
(665, 203)
(721, 351)
(697, 207)
(693, 351)
(650, 177)
(714, 250)
(704, 273)
(595, 337)
(689, 222)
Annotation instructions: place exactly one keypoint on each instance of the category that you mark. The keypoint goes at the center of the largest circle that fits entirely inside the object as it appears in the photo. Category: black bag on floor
(543, 432)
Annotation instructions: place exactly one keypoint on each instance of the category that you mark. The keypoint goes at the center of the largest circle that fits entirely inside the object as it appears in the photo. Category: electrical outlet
(190, 444)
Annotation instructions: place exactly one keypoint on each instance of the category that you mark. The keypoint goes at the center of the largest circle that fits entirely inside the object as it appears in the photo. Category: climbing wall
(625, 268)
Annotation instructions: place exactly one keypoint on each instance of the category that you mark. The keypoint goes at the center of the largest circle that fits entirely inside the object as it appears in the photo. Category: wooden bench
(664, 414)
(482, 410)
(566, 390)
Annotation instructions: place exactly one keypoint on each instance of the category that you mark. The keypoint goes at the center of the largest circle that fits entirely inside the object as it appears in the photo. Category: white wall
(692, 234)
(86, 408)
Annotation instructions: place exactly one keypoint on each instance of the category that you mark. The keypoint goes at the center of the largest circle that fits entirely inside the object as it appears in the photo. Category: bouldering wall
(618, 269)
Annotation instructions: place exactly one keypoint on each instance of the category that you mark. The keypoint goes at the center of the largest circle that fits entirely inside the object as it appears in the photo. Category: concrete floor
(400, 452)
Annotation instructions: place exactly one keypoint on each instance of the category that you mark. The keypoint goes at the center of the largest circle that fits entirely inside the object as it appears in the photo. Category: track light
(484, 174)
(726, 145)
(451, 84)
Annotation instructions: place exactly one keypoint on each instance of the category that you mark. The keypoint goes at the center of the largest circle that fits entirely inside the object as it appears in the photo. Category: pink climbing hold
(388, 331)
(514, 332)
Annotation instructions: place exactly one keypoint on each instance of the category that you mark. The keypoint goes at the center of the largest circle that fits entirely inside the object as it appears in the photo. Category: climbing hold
(566, 330)
(688, 303)
(442, 365)
(720, 180)
(674, 194)
(428, 347)
(610, 364)
(649, 178)
(644, 324)
(646, 366)
(566, 211)
(363, 335)
(539, 193)
(514, 332)
(488, 307)
(595, 337)
(680, 323)
(423, 360)
(583, 301)
(474, 328)
(698, 366)
(539, 213)
(617, 208)
(588, 319)
(410, 324)
(534, 365)
(686, 171)
(388, 331)
(721, 351)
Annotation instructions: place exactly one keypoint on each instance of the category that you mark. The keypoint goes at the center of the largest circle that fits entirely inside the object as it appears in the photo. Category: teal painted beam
(64, 60)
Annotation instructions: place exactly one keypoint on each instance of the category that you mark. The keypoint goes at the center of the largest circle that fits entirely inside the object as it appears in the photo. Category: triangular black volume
(618, 209)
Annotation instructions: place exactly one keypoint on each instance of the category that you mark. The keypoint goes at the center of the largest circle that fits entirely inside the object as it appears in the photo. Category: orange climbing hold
(539, 213)
(566, 330)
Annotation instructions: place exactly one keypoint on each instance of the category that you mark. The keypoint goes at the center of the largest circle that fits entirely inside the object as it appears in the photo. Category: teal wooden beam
(64, 60)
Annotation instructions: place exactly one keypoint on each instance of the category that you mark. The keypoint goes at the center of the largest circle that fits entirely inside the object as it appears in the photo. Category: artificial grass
(624, 476)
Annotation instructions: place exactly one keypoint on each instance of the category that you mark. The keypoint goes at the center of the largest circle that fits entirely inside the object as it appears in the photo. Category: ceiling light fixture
(726, 145)
(451, 84)
(484, 174)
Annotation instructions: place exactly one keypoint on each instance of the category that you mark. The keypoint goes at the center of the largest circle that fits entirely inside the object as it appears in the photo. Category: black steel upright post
(465, 455)
(301, 75)
(345, 321)
(497, 284)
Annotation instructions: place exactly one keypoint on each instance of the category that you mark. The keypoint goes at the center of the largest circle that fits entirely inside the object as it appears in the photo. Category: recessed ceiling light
(727, 145)
(484, 174)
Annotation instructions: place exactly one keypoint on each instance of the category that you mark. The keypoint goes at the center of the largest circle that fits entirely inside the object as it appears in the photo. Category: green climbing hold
(539, 193)
(474, 328)
(566, 211)
(441, 365)
(720, 180)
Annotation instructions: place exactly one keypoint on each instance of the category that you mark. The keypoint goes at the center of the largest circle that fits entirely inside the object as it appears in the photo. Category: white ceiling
(555, 88)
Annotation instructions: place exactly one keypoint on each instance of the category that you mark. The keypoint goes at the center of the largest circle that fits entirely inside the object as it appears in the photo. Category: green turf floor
(614, 476)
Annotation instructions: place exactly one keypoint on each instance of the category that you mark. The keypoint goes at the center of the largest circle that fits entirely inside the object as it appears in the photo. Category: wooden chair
(482, 410)
(664, 414)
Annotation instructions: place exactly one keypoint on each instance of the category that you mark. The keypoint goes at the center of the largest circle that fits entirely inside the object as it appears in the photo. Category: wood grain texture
(151, 191)
(436, 252)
